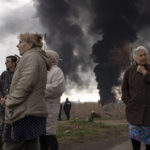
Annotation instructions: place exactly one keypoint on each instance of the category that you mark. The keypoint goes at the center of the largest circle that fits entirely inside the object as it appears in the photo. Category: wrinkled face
(9, 64)
(23, 46)
(141, 57)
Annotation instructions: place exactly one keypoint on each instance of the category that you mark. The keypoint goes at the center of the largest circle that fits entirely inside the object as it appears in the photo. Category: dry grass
(109, 111)
(79, 131)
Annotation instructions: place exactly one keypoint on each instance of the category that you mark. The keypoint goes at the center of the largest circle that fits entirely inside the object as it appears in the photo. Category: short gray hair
(138, 49)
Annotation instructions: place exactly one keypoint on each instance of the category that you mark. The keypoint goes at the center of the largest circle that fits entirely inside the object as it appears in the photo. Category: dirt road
(112, 144)
(125, 146)
(119, 142)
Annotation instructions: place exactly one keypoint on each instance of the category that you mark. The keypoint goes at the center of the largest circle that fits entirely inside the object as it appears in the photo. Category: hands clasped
(141, 69)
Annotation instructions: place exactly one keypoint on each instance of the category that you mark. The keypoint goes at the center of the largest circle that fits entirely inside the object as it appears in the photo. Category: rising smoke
(116, 22)
(119, 22)
(66, 35)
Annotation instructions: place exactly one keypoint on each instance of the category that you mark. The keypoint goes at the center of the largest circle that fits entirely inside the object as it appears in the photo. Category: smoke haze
(102, 28)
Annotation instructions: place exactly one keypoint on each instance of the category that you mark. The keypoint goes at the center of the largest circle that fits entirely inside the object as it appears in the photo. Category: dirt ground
(113, 122)
(108, 140)
(105, 144)
(114, 143)
(121, 143)
(98, 143)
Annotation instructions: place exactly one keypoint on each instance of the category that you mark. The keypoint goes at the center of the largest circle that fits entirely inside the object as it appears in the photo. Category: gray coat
(28, 87)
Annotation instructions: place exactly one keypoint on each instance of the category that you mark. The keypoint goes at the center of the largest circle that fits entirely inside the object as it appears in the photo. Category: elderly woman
(136, 96)
(55, 86)
(26, 109)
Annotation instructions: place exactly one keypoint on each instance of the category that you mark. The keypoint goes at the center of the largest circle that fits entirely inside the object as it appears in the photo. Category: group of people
(30, 91)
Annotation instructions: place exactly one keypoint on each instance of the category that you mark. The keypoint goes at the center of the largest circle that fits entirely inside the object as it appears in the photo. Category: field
(110, 123)
(83, 110)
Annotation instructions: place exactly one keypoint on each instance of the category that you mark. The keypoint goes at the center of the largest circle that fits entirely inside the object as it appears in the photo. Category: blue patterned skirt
(27, 128)
(140, 133)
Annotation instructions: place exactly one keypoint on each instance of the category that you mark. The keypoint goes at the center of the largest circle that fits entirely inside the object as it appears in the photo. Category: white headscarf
(54, 56)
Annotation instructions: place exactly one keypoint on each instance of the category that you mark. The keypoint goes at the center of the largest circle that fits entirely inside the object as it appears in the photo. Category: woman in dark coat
(136, 96)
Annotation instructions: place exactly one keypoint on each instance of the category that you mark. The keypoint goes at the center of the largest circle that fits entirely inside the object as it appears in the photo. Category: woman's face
(23, 46)
(141, 57)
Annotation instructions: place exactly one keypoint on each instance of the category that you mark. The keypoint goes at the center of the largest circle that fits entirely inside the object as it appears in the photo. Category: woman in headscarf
(55, 86)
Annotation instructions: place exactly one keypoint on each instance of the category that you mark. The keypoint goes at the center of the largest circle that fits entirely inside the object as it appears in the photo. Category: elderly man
(136, 96)
(54, 88)
(6, 77)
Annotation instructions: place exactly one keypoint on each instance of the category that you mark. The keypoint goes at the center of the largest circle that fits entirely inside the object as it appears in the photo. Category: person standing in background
(5, 81)
(55, 87)
(67, 108)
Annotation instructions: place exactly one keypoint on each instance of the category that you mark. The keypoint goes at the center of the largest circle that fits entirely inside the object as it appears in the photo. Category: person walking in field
(136, 96)
(55, 87)
(26, 110)
(67, 108)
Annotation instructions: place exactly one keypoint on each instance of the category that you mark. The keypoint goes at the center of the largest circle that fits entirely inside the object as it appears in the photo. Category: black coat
(136, 95)
(67, 106)
(5, 81)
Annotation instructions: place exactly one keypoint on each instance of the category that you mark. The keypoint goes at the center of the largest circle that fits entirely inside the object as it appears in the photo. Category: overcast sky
(18, 16)
(15, 16)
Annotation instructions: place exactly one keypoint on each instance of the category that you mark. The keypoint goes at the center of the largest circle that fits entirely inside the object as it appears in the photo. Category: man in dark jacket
(136, 96)
(5, 81)
(67, 108)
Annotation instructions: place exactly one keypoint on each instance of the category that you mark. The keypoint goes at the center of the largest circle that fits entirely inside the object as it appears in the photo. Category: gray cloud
(19, 20)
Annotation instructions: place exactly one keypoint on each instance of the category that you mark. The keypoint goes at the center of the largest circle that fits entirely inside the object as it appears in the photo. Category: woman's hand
(2, 101)
(141, 69)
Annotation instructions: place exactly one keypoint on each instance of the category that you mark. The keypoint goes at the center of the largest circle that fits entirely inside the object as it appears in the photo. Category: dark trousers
(48, 142)
(59, 116)
(137, 145)
(1, 143)
(67, 115)
(25, 145)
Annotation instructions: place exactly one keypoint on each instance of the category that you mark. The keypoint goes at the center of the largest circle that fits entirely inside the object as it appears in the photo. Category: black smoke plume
(117, 23)
(64, 35)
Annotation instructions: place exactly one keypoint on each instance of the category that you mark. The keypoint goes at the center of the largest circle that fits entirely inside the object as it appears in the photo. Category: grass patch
(82, 132)
(79, 128)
